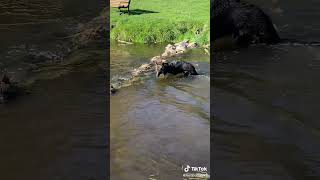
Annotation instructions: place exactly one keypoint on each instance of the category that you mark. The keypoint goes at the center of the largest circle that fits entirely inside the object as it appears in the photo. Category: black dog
(177, 67)
(245, 22)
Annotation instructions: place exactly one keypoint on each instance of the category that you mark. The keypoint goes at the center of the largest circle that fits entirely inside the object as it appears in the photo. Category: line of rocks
(171, 50)
(92, 32)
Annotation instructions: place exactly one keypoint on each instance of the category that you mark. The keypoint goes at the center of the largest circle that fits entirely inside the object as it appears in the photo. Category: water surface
(59, 130)
(157, 125)
(266, 101)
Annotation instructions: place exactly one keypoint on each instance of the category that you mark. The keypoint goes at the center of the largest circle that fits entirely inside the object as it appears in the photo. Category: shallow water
(39, 26)
(158, 125)
(266, 100)
(59, 130)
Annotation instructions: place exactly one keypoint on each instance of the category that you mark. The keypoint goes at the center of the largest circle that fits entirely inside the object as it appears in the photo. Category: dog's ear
(165, 64)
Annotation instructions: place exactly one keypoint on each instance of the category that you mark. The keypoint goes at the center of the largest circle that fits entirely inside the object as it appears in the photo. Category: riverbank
(153, 21)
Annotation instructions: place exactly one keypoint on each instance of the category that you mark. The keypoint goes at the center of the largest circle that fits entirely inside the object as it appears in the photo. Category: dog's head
(163, 69)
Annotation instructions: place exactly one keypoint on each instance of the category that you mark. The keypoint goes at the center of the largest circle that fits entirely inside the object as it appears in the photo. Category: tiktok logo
(192, 172)
(186, 169)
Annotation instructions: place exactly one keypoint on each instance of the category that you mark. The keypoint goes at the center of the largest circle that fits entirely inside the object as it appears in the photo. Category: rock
(42, 57)
(95, 30)
(182, 44)
(192, 45)
(155, 64)
(113, 89)
(178, 48)
(207, 51)
(157, 60)
(142, 69)
(181, 48)
(170, 46)
(169, 51)
(145, 67)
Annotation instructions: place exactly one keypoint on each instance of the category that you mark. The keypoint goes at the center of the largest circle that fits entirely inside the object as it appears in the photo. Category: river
(266, 98)
(158, 124)
(58, 130)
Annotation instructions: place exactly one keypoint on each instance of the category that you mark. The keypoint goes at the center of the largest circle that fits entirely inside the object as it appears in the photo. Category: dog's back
(184, 67)
(177, 67)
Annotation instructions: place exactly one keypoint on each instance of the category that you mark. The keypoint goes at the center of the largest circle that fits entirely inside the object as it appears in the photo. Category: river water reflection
(158, 125)
(266, 99)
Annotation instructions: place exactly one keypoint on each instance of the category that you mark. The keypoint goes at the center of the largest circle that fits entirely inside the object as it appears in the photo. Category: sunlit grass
(170, 21)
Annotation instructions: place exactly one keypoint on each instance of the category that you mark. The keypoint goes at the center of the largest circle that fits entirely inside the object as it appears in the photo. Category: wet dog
(177, 67)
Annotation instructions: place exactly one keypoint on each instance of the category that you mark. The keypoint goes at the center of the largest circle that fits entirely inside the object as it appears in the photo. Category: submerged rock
(42, 57)
(142, 69)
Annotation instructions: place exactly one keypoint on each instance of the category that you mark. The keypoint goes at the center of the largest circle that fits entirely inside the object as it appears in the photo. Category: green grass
(173, 21)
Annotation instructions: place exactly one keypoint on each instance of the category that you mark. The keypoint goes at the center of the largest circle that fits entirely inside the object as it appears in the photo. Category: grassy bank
(154, 21)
